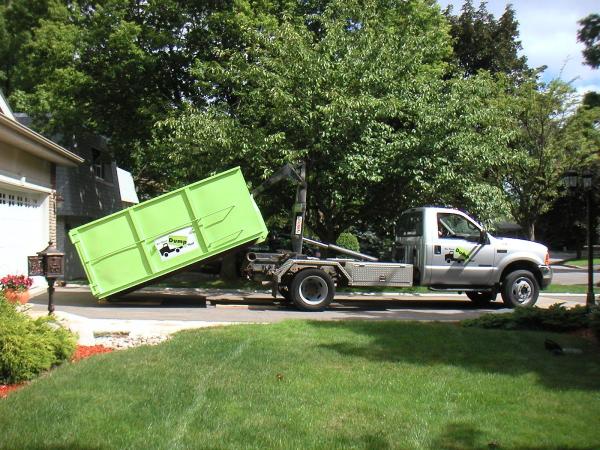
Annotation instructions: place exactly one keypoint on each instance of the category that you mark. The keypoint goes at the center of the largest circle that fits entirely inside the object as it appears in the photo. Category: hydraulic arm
(296, 173)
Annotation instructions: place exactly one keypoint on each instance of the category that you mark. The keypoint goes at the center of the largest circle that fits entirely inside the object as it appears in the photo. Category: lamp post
(49, 263)
(572, 181)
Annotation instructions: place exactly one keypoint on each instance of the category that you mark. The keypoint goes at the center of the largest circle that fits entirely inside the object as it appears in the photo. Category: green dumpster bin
(162, 235)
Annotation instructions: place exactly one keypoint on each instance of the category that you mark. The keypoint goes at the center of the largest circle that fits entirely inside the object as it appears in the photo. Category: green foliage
(553, 135)
(483, 43)
(29, 347)
(555, 318)
(589, 35)
(349, 241)
(363, 97)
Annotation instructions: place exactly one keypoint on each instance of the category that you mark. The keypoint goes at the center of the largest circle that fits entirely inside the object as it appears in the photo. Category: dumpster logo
(176, 243)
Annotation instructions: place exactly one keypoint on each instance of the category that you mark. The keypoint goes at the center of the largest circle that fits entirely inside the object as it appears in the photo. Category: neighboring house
(88, 192)
(29, 167)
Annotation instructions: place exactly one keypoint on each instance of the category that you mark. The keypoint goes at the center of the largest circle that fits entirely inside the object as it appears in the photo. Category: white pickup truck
(441, 248)
(450, 251)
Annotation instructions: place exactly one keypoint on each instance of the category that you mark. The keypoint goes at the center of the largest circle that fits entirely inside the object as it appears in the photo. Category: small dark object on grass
(553, 347)
(279, 377)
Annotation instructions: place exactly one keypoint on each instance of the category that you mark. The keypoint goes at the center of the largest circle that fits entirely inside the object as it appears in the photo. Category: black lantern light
(49, 263)
(572, 180)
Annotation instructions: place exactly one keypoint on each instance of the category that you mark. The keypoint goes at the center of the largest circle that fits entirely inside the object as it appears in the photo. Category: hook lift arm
(296, 173)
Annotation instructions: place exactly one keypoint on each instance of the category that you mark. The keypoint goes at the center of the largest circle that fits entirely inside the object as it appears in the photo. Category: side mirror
(483, 237)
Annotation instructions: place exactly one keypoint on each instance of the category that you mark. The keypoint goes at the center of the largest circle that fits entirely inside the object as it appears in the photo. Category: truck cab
(450, 251)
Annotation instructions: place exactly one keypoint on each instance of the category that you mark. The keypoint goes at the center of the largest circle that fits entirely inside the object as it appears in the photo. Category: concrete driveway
(186, 304)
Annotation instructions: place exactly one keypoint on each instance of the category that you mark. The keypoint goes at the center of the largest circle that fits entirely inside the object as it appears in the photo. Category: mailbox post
(49, 263)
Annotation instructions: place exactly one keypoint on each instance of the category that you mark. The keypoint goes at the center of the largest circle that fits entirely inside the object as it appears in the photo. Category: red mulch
(85, 351)
(6, 388)
(82, 352)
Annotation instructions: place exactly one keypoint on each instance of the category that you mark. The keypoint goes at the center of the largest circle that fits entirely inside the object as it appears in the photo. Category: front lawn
(318, 385)
(583, 262)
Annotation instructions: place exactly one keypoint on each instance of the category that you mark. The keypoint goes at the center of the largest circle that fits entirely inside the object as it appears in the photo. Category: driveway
(186, 304)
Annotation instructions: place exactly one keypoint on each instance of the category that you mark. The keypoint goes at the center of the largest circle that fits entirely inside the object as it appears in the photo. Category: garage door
(23, 228)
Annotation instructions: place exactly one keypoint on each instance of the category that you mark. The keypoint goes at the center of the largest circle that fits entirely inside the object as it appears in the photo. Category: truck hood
(521, 245)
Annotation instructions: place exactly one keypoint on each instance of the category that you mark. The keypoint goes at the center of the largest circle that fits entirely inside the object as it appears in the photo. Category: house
(29, 166)
(93, 189)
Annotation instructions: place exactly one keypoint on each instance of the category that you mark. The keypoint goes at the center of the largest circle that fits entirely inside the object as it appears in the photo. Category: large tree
(554, 136)
(589, 35)
(482, 42)
(360, 91)
(110, 66)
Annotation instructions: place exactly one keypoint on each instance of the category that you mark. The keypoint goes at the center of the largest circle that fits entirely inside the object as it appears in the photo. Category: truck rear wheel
(284, 291)
(312, 290)
(520, 288)
(481, 298)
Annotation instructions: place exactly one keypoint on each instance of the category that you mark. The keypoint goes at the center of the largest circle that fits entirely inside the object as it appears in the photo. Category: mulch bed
(5, 389)
(85, 351)
(82, 352)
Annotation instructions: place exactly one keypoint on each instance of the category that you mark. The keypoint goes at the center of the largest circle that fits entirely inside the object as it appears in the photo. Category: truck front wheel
(520, 288)
(312, 290)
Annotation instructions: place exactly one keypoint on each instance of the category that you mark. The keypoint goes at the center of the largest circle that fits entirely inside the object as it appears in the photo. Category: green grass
(363, 385)
(566, 288)
(580, 262)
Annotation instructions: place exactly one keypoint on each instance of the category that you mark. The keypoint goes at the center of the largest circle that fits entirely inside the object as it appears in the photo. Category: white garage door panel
(23, 228)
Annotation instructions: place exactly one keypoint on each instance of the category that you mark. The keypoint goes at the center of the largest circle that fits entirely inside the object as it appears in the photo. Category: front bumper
(546, 272)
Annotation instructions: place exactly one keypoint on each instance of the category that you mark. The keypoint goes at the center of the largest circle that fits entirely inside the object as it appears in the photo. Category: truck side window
(410, 225)
(457, 227)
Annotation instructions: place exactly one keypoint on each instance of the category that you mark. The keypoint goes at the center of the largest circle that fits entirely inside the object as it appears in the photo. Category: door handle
(437, 249)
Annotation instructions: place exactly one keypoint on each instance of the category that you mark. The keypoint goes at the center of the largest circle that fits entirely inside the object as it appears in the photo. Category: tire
(312, 290)
(284, 291)
(520, 288)
(481, 298)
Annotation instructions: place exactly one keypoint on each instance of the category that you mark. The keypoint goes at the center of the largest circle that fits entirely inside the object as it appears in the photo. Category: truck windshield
(456, 226)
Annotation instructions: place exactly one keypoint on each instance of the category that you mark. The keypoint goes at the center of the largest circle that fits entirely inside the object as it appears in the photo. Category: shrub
(29, 347)
(349, 241)
(555, 318)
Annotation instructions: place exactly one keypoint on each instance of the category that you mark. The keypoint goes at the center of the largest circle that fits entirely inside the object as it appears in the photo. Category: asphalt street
(187, 304)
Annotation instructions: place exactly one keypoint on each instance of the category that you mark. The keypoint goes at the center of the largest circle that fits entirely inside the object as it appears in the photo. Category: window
(97, 164)
(410, 225)
(454, 226)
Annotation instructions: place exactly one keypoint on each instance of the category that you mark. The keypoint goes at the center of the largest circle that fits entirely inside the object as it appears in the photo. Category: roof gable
(5, 108)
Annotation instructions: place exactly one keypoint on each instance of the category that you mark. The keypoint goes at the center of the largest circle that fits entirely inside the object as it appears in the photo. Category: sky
(548, 33)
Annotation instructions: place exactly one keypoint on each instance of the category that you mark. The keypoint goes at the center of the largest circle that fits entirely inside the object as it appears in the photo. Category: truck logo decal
(176, 243)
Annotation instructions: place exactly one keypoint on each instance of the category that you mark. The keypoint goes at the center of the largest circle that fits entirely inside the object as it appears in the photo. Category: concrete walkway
(154, 313)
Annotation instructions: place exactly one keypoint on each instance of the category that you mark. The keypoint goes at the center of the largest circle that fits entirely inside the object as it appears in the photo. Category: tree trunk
(531, 231)
(229, 270)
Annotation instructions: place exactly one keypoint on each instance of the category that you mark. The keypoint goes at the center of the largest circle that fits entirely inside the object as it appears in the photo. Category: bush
(29, 347)
(349, 241)
(555, 318)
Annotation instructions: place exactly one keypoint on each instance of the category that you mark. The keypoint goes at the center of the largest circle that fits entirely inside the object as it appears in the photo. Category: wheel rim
(313, 290)
(522, 290)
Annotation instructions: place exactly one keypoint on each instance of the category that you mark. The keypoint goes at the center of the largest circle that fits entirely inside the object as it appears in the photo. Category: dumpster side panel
(169, 232)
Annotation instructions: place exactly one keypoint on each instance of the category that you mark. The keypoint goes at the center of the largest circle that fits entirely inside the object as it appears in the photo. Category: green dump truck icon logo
(178, 242)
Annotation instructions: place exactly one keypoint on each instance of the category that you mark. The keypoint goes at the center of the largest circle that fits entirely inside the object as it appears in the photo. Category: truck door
(456, 256)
